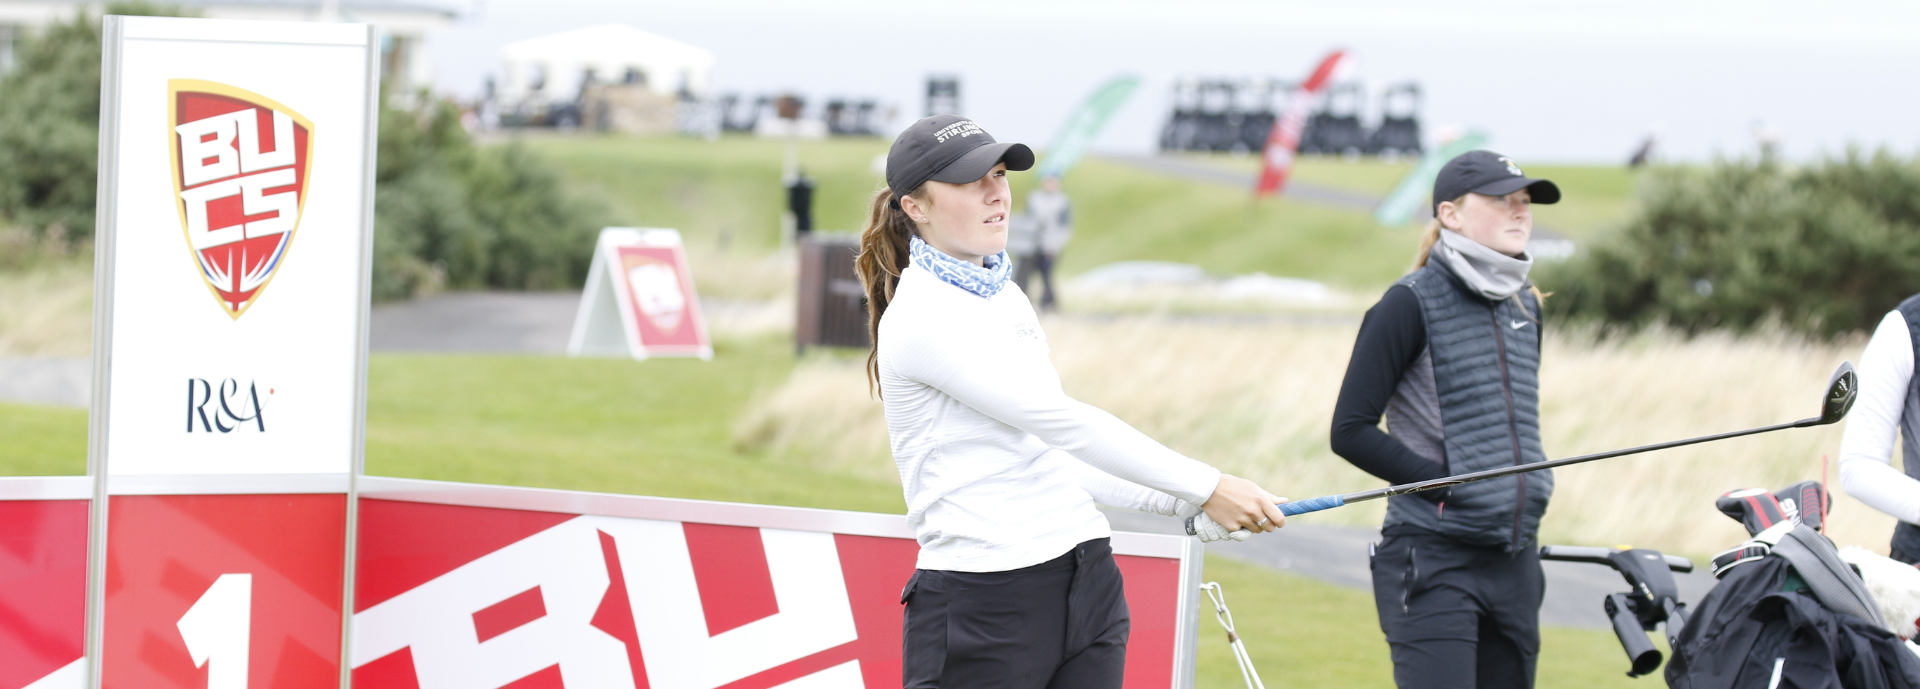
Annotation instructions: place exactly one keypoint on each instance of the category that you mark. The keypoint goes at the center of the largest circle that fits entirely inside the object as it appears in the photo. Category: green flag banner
(1080, 129)
(1417, 187)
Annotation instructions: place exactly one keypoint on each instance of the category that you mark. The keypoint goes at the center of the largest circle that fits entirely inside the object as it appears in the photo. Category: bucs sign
(240, 168)
(227, 416)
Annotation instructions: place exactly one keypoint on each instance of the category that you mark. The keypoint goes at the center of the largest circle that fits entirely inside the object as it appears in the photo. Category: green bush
(49, 125)
(1822, 249)
(446, 211)
(449, 212)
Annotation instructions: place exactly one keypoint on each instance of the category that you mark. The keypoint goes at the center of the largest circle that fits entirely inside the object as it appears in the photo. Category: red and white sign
(455, 589)
(639, 299)
(43, 581)
(227, 426)
(1283, 141)
(240, 174)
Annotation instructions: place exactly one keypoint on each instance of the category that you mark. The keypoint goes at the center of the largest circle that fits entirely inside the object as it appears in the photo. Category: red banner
(43, 586)
(224, 591)
(1283, 141)
(453, 595)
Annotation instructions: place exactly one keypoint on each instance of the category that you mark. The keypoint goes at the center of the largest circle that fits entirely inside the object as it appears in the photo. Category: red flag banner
(1283, 141)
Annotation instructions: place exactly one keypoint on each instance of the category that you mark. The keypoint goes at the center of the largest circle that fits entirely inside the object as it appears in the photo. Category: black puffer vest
(1472, 402)
(1906, 537)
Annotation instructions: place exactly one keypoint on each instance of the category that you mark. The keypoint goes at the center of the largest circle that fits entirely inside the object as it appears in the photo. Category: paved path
(541, 322)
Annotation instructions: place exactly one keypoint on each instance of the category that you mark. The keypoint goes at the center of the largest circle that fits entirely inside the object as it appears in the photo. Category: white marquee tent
(551, 68)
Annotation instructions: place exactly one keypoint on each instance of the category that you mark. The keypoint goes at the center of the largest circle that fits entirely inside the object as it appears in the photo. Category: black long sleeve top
(1392, 336)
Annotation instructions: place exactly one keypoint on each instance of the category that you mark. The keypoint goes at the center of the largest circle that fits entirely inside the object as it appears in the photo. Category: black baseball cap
(948, 148)
(1489, 173)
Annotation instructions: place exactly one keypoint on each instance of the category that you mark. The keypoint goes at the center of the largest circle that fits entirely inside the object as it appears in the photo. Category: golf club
(1834, 406)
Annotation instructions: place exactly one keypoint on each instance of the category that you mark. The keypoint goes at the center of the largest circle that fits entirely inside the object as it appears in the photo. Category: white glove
(1209, 531)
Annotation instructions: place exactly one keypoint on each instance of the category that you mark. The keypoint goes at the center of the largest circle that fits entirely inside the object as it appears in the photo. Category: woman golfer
(1886, 405)
(1451, 356)
(1016, 584)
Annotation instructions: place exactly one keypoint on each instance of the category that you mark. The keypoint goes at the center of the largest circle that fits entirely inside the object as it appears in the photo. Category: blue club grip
(1315, 505)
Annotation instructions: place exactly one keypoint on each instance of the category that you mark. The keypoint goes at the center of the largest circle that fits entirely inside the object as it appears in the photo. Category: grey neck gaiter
(1494, 275)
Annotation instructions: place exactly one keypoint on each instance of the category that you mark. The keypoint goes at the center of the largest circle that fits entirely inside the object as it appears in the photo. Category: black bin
(832, 304)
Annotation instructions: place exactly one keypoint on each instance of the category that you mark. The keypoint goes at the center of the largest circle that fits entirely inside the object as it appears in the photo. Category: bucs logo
(240, 168)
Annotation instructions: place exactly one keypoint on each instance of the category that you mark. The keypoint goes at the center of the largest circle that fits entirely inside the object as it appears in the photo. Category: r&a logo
(225, 407)
(240, 170)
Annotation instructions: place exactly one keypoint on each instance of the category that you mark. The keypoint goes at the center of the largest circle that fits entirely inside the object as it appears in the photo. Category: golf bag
(1788, 612)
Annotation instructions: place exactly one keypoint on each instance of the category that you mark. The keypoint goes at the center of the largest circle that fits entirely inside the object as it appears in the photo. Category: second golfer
(1016, 584)
(1451, 357)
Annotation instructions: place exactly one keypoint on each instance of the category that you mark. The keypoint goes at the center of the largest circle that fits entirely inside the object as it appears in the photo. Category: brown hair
(883, 254)
(1432, 237)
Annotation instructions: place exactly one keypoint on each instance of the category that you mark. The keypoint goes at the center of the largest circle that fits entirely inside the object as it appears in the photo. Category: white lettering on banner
(568, 563)
(252, 202)
(195, 152)
(71, 676)
(811, 592)
(435, 620)
(251, 159)
(218, 629)
(196, 200)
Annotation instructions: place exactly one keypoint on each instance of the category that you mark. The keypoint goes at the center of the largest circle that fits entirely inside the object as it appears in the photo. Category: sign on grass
(639, 299)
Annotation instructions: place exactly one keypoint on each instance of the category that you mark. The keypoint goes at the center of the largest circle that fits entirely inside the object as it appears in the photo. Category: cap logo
(963, 129)
(1511, 168)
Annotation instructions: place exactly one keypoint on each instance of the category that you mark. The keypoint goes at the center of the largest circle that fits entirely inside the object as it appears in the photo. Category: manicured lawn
(660, 427)
(42, 441)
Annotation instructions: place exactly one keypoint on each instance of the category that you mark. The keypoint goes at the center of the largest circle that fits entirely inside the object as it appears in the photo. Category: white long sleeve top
(1001, 469)
(1866, 447)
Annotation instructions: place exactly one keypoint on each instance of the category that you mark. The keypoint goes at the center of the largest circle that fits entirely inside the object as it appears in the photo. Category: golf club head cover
(1809, 500)
(1209, 530)
(1756, 508)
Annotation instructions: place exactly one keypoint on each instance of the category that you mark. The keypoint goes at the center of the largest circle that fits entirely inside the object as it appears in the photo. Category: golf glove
(1209, 530)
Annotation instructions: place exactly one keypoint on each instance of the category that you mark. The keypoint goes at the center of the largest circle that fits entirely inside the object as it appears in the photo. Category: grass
(662, 427)
(1309, 634)
(659, 427)
(42, 441)
(46, 307)
(1593, 198)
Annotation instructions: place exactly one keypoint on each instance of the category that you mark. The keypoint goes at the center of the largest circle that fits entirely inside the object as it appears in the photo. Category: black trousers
(1458, 616)
(1060, 624)
(1023, 269)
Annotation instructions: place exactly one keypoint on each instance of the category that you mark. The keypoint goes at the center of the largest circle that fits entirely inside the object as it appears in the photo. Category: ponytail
(1432, 237)
(883, 254)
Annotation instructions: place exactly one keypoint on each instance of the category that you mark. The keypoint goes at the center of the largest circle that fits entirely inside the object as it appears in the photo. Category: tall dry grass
(1257, 400)
(47, 309)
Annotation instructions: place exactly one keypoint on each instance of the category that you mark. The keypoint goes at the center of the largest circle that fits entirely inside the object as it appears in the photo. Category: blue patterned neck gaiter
(985, 282)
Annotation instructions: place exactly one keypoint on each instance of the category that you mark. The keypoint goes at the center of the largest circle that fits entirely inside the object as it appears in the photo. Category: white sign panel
(234, 239)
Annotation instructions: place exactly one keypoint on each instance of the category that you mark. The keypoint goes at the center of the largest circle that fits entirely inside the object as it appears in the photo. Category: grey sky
(1552, 81)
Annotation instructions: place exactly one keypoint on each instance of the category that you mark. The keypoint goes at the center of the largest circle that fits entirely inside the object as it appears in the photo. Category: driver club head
(1841, 391)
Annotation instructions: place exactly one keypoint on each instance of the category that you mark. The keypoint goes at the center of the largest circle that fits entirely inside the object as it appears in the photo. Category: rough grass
(1257, 400)
(46, 306)
(1309, 634)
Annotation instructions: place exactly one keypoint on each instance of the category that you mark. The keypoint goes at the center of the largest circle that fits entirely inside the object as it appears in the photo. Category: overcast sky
(1577, 81)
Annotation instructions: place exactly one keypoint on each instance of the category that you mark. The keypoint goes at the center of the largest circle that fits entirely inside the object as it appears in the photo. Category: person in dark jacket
(1451, 356)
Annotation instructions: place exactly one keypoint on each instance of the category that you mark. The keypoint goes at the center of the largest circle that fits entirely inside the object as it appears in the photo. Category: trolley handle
(1601, 556)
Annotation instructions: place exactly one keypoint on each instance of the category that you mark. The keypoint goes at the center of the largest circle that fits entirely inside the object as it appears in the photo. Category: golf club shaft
(1331, 501)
